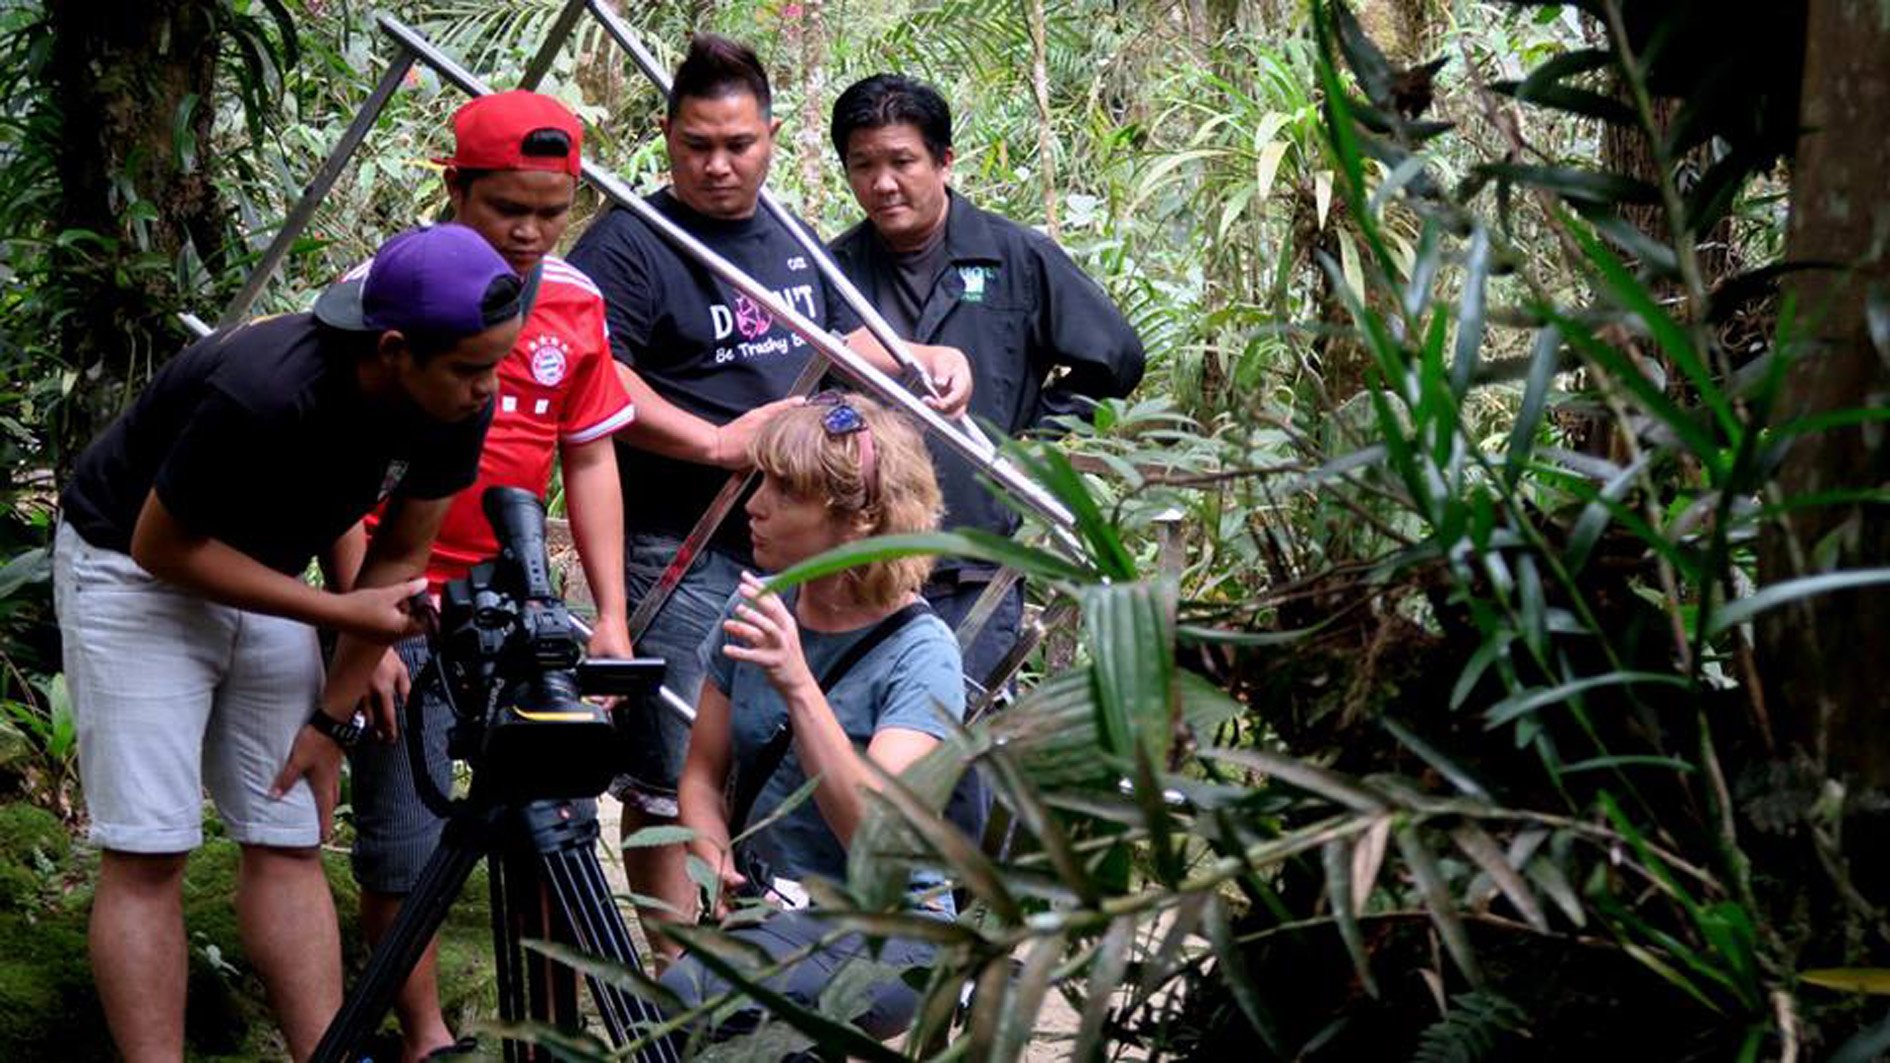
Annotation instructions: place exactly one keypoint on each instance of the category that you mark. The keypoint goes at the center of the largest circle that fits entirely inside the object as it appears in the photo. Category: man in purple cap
(190, 641)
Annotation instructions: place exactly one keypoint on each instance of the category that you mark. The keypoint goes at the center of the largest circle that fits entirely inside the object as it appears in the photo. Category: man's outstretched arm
(167, 549)
(593, 498)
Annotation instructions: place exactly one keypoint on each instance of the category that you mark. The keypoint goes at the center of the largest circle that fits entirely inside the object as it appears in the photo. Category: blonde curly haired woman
(838, 469)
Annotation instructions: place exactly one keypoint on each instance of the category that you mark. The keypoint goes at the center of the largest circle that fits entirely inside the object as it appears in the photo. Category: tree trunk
(133, 91)
(1827, 663)
(1402, 29)
(811, 137)
(1040, 91)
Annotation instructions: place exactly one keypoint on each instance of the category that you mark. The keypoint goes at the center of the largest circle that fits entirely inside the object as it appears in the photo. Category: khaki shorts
(173, 694)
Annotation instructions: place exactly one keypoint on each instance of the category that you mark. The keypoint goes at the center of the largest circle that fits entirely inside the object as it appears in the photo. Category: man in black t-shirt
(1043, 338)
(705, 367)
(190, 645)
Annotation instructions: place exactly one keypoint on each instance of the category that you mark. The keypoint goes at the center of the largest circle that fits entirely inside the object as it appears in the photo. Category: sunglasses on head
(841, 419)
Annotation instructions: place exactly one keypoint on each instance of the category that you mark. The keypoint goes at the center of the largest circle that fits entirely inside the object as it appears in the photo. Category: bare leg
(137, 946)
(659, 871)
(287, 919)
(418, 1005)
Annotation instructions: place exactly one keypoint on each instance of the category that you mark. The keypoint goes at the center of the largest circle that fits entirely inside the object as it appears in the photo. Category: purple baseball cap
(442, 281)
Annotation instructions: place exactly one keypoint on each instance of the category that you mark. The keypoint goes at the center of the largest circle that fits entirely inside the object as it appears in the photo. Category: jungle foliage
(1413, 704)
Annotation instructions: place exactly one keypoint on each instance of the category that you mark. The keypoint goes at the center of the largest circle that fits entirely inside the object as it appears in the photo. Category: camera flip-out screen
(620, 677)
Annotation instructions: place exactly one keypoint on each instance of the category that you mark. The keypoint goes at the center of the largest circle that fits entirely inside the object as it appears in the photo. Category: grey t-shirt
(907, 681)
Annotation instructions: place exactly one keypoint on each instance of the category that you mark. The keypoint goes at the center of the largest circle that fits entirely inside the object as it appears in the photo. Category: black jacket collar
(968, 235)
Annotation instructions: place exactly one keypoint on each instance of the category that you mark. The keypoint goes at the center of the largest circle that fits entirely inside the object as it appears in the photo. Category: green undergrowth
(49, 1006)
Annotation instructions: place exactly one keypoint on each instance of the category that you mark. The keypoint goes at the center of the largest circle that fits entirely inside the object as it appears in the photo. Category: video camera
(511, 662)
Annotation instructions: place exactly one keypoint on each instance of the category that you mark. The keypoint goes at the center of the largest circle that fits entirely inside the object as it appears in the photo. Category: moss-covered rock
(25, 829)
(33, 847)
(48, 1006)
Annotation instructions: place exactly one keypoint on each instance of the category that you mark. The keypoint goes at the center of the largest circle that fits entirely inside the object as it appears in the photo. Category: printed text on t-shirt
(748, 320)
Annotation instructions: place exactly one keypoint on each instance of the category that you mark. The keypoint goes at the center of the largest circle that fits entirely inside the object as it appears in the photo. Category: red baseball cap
(489, 133)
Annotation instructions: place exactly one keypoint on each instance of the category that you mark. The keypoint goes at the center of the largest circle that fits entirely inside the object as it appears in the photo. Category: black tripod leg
(567, 854)
(584, 900)
(507, 957)
(420, 917)
(547, 989)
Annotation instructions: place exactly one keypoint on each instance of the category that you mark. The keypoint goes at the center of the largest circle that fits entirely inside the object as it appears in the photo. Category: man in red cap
(511, 178)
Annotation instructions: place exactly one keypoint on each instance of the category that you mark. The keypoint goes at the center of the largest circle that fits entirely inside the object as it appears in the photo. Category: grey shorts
(659, 739)
(173, 694)
(394, 831)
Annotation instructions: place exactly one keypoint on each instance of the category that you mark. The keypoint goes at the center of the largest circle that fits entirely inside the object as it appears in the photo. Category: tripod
(545, 879)
(545, 883)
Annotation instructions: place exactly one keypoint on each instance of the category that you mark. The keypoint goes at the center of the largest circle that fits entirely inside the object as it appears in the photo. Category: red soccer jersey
(558, 386)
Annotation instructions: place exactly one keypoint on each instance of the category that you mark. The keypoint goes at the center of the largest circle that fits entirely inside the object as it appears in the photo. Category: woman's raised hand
(763, 633)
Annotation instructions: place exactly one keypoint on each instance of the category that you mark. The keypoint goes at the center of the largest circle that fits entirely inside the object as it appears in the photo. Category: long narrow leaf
(1470, 310)
(1052, 469)
(1594, 517)
(1232, 967)
(1652, 399)
(1338, 861)
(971, 542)
(1666, 971)
(1157, 967)
(1674, 341)
(1484, 852)
(978, 873)
(1545, 873)
(1872, 980)
(988, 1005)
(1131, 633)
(1530, 700)
(1107, 968)
(1543, 358)
(1149, 796)
(1368, 856)
(1437, 900)
(622, 976)
(1580, 185)
(1326, 783)
(1035, 818)
(1431, 755)
(1019, 1021)
(1740, 610)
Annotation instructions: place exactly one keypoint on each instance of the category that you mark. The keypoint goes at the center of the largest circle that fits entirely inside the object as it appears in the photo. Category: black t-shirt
(700, 343)
(260, 437)
(913, 276)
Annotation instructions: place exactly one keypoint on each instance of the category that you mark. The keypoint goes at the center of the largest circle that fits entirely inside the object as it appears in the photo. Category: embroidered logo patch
(973, 276)
(550, 357)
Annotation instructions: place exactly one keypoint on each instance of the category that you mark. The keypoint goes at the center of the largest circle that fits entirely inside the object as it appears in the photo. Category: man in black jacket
(1043, 338)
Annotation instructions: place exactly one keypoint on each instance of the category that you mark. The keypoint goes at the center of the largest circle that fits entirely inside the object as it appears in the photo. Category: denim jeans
(676, 635)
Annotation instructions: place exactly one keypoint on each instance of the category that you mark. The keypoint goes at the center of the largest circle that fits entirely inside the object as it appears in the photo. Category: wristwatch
(344, 733)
